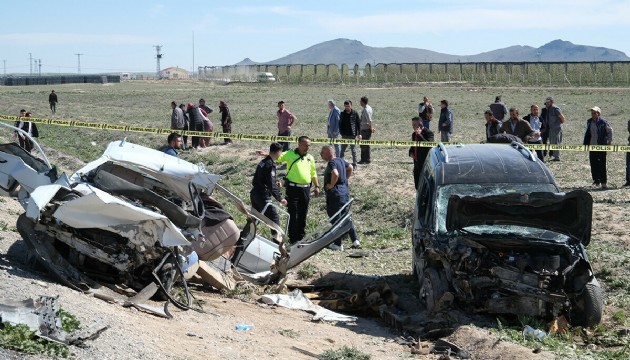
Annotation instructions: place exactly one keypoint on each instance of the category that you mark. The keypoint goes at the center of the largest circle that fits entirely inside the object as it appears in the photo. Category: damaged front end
(136, 220)
(515, 254)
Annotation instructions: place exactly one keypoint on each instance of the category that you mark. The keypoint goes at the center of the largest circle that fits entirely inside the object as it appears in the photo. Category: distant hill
(345, 51)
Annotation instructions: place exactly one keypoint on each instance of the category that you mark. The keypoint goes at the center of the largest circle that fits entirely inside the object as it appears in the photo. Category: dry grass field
(383, 190)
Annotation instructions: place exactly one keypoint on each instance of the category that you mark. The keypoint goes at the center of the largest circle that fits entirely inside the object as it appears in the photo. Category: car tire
(589, 305)
(433, 289)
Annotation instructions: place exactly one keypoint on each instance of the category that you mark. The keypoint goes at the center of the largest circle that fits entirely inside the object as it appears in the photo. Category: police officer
(264, 184)
(301, 175)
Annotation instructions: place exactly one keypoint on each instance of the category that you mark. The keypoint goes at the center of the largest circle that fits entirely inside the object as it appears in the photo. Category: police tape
(277, 138)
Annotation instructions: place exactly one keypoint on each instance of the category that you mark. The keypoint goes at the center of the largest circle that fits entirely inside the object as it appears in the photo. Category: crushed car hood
(172, 171)
(565, 213)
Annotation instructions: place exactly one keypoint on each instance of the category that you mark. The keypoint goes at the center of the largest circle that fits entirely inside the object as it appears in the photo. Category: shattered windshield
(446, 191)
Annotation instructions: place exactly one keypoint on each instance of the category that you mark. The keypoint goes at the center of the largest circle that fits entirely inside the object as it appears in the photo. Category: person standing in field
(366, 130)
(286, 121)
(186, 126)
(301, 175)
(28, 127)
(349, 128)
(419, 154)
(208, 126)
(333, 124)
(178, 120)
(196, 123)
(518, 127)
(553, 121)
(493, 126)
(264, 185)
(534, 120)
(336, 177)
(52, 100)
(598, 132)
(445, 123)
(498, 108)
(226, 121)
(425, 112)
(204, 107)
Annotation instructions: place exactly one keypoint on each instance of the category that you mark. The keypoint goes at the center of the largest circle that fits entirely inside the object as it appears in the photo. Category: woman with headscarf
(226, 120)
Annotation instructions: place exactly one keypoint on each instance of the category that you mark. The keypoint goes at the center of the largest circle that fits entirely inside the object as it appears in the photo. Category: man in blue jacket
(598, 132)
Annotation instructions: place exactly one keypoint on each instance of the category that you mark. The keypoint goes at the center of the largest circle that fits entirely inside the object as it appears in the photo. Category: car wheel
(433, 290)
(589, 305)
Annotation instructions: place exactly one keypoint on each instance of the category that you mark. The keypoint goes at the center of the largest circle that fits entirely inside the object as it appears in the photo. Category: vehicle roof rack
(520, 147)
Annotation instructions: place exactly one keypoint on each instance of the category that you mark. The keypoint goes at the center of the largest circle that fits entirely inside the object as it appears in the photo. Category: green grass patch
(243, 293)
(345, 353)
(69, 322)
(20, 338)
(307, 271)
(290, 333)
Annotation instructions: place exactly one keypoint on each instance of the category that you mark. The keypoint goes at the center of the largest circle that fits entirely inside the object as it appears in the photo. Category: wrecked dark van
(494, 233)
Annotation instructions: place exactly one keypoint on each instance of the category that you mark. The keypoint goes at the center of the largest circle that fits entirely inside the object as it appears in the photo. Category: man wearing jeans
(366, 130)
(349, 127)
(337, 193)
(286, 120)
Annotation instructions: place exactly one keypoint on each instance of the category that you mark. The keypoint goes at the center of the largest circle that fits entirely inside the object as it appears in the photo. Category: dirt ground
(191, 335)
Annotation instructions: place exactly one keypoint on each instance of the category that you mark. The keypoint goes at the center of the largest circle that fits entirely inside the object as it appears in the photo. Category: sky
(120, 36)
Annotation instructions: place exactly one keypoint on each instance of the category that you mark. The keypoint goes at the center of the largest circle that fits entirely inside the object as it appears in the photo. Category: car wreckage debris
(41, 315)
(136, 223)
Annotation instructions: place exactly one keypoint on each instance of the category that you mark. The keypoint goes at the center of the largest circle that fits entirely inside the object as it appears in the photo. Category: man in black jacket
(264, 185)
(419, 154)
(196, 122)
(349, 126)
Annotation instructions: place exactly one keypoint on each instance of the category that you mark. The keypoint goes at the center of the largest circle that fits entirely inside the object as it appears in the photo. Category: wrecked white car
(493, 233)
(136, 220)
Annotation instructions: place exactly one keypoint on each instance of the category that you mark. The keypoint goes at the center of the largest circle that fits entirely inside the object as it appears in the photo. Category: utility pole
(35, 61)
(39, 71)
(78, 63)
(4, 63)
(158, 57)
(193, 54)
(30, 61)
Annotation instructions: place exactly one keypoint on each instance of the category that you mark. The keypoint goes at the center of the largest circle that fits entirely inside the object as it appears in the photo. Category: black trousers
(598, 166)
(298, 199)
(259, 202)
(417, 168)
(333, 204)
(195, 139)
(365, 149)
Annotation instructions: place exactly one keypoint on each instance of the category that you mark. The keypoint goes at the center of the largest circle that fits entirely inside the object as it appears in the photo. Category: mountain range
(346, 51)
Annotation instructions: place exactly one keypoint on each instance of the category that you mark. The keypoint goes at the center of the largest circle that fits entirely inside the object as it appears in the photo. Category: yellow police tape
(274, 138)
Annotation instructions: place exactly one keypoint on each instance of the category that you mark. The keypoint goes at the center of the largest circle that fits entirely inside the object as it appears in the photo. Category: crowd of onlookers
(193, 117)
(502, 124)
